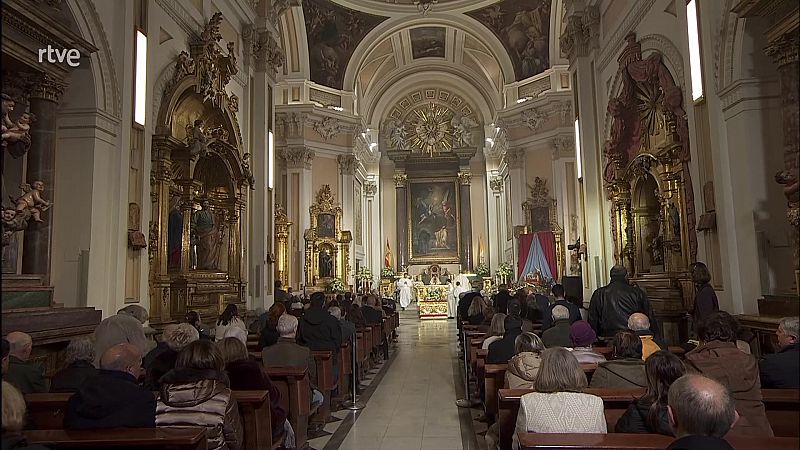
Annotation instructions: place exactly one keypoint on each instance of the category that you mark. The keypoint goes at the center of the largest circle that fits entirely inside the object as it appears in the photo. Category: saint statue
(196, 138)
(325, 265)
(205, 231)
(462, 130)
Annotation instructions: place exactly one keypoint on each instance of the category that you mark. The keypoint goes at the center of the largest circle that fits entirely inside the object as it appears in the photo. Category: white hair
(287, 325)
(791, 326)
(336, 312)
(80, 349)
(560, 312)
(179, 336)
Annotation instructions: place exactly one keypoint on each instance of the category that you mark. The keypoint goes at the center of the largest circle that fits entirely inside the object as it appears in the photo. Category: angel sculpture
(196, 139)
(247, 172)
(462, 129)
(397, 134)
(32, 200)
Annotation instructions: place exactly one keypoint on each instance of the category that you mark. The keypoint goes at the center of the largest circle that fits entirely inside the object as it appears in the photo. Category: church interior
(180, 157)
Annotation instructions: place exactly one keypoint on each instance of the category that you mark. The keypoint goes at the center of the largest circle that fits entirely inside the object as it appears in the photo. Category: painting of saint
(433, 222)
(326, 225)
(524, 30)
(174, 234)
(207, 236)
(427, 42)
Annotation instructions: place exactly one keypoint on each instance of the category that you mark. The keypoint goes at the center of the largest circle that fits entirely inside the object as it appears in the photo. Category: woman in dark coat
(269, 334)
(648, 414)
(705, 299)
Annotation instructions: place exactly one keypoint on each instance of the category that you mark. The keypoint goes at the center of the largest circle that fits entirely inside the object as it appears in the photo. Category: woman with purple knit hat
(583, 336)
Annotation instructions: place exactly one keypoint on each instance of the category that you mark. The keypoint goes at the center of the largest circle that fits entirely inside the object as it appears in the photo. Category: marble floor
(410, 398)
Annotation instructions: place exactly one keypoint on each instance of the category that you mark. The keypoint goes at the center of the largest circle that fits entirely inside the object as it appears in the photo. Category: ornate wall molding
(465, 177)
(290, 124)
(581, 34)
(370, 188)
(400, 180)
(327, 128)
(515, 157)
(347, 164)
(533, 119)
(636, 13)
(496, 184)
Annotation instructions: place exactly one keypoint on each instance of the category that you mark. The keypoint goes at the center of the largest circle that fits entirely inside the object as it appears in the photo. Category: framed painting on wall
(326, 225)
(434, 232)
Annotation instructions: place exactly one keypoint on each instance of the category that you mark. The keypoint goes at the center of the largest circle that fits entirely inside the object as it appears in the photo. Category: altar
(431, 300)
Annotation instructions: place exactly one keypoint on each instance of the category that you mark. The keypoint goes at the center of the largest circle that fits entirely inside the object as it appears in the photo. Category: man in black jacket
(112, 398)
(782, 370)
(318, 329)
(502, 350)
(611, 305)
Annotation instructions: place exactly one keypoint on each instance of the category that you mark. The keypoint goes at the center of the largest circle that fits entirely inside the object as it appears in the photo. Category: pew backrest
(190, 438)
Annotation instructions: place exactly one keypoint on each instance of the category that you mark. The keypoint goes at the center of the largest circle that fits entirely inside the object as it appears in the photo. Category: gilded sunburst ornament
(431, 132)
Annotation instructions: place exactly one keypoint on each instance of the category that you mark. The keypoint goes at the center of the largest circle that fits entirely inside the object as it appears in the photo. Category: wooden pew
(295, 389)
(608, 351)
(345, 369)
(46, 412)
(494, 377)
(625, 441)
(325, 381)
(782, 405)
(193, 438)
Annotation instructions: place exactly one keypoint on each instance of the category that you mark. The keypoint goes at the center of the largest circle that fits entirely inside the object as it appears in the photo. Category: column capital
(784, 49)
(515, 157)
(581, 34)
(370, 188)
(496, 183)
(400, 180)
(465, 177)
(347, 164)
(298, 157)
(46, 87)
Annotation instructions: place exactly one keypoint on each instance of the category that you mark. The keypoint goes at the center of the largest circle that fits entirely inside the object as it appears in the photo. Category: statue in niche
(656, 249)
(462, 130)
(675, 221)
(32, 201)
(196, 139)
(16, 137)
(325, 264)
(207, 236)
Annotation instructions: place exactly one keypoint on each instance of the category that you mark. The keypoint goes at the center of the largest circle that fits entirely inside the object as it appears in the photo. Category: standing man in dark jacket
(280, 294)
(611, 305)
(318, 329)
(112, 398)
(502, 350)
(782, 370)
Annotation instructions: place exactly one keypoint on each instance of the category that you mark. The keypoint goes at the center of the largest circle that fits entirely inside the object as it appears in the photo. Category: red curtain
(548, 242)
(525, 242)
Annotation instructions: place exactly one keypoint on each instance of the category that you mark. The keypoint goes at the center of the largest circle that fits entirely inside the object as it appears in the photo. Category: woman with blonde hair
(476, 310)
(524, 365)
(559, 404)
(14, 410)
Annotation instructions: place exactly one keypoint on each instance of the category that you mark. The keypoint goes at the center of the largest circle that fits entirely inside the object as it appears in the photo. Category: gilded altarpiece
(199, 182)
(327, 251)
(649, 185)
(282, 228)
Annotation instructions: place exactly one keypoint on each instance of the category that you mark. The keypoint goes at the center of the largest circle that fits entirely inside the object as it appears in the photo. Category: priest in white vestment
(458, 286)
(404, 291)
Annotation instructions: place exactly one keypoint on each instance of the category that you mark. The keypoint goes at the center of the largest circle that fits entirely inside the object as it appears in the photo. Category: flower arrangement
(482, 270)
(336, 286)
(364, 274)
(387, 272)
(504, 271)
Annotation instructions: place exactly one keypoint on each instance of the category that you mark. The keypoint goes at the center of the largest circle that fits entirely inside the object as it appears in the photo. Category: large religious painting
(326, 225)
(333, 35)
(524, 29)
(427, 42)
(433, 221)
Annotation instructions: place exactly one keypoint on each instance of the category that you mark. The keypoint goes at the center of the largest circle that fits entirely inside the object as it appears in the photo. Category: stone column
(496, 227)
(298, 168)
(401, 194)
(347, 170)
(45, 94)
(464, 181)
(784, 52)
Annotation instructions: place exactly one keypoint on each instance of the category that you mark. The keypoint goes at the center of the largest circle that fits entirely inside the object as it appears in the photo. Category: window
(694, 50)
(140, 80)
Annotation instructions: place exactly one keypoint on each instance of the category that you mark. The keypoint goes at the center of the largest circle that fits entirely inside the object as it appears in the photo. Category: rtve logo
(72, 56)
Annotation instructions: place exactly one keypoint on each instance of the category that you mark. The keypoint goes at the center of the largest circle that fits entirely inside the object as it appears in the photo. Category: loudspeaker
(573, 287)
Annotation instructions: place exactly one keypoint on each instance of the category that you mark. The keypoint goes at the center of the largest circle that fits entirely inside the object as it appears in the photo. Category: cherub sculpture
(397, 134)
(32, 200)
(8, 106)
(462, 129)
(20, 130)
(196, 138)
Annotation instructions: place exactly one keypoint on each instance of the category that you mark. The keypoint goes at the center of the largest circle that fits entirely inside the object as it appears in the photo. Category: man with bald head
(640, 324)
(27, 377)
(113, 398)
(701, 412)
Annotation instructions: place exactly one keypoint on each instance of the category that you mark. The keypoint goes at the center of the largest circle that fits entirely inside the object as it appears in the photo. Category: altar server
(404, 290)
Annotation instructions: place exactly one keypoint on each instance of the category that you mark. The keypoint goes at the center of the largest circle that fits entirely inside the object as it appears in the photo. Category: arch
(465, 24)
(107, 93)
(399, 85)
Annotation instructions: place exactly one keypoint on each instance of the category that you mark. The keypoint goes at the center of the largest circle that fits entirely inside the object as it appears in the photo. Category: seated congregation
(607, 369)
(269, 389)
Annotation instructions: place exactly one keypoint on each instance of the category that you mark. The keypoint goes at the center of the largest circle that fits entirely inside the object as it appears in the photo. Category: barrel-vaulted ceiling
(366, 46)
